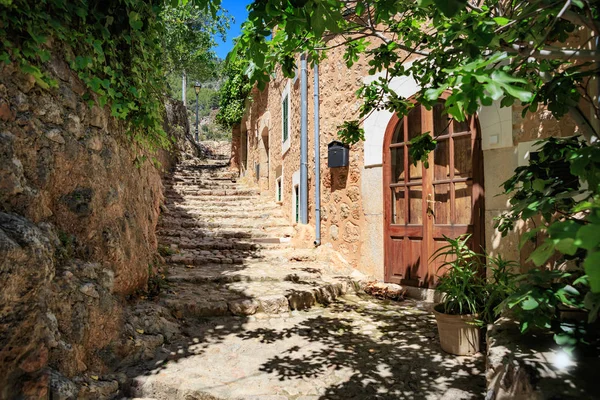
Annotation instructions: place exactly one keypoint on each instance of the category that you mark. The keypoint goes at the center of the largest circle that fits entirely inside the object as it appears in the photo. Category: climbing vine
(114, 46)
(233, 94)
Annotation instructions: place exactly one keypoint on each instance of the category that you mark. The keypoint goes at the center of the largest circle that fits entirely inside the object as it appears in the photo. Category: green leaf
(542, 253)
(135, 21)
(501, 21)
(589, 236)
(359, 9)
(494, 89)
(563, 339)
(592, 269)
(567, 246)
(450, 7)
(529, 304)
(529, 235)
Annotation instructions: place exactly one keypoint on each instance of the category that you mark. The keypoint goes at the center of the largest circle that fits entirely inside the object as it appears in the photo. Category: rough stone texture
(72, 166)
(340, 193)
(77, 231)
(355, 194)
(356, 348)
(235, 255)
(26, 269)
(530, 367)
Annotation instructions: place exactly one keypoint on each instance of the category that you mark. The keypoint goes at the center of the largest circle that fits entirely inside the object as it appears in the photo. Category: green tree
(117, 49)
(539, 53)
(190, 33)
(233, 93)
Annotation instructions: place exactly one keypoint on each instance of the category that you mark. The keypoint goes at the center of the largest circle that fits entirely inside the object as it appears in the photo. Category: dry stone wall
(78, 212)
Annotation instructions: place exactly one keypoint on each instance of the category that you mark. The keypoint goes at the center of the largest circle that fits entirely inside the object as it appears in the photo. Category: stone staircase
(242, 318)
(227, 250)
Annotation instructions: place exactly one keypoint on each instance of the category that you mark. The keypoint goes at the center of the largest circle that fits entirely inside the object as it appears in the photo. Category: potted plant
(469, 299)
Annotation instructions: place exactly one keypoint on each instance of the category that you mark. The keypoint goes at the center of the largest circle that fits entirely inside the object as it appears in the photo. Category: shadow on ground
(357, 348)
(392, 352)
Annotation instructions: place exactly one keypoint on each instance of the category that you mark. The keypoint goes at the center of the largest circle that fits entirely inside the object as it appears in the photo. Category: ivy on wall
(233, 94)
(114, 46)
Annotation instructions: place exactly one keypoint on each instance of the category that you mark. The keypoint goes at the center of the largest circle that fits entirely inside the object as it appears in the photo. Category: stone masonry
(256, 318)
(243, 314)
(228, 250)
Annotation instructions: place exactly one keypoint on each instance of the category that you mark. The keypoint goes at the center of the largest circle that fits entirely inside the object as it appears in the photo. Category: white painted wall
(496, 122)
(376, 123)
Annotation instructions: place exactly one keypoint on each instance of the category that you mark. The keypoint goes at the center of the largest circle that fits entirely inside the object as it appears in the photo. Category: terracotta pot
(458, 334)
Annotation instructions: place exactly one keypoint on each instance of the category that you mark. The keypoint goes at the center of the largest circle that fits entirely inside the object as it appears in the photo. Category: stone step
(216, 167)
(268, 235)
(274, 256)
(212, 199)
(209, 207)
(257, 271)
(171, 223)
(198, 257)
(206, 215)
(203, 184)
(197, 177)
(211, 192)
(198, 300)
(210, 243)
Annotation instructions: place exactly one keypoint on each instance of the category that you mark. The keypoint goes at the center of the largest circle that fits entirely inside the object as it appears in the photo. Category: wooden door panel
(451, 231)
(394, 270)
(463, 203)
(405, 231)
(422, 205)
(408, 267)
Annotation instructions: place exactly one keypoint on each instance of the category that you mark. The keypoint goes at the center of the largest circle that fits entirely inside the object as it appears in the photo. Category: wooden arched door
(421, 205)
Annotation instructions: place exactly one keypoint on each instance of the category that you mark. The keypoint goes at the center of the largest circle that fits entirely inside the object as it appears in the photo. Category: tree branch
(474, 7)
(579, 19)
(553, 53)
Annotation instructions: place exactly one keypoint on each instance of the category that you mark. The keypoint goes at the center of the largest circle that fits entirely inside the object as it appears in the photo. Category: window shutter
(284, 106)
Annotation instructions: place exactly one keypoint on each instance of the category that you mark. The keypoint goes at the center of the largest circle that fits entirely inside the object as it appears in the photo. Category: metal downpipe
(303, 143)
(317, 157)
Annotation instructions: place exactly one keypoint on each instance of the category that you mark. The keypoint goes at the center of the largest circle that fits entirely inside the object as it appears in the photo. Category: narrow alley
(259, 318)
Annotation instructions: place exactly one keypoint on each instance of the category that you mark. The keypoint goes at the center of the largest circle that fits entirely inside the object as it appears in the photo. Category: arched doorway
(421, 205)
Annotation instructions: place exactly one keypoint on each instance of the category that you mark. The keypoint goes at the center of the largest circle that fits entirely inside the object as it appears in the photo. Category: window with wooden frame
(286, 125)
(285, 117)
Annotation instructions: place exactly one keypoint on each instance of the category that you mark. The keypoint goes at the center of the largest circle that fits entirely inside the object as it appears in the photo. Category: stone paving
(252, 317)
(356, 348)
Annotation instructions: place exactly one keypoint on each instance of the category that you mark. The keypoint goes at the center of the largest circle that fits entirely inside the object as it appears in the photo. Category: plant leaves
(542, 253)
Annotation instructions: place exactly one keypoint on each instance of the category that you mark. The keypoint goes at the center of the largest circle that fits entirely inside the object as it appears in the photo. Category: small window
(279, 189)
(285, 116)
(297, 198)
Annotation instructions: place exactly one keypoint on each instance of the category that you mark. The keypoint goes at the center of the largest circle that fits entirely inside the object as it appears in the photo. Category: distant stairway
(227, 250)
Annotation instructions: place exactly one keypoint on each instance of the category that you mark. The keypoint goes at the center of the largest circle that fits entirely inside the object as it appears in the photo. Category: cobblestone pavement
(247, 316)
(356, 348)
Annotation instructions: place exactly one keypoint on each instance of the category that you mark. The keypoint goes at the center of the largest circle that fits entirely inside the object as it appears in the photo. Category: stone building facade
(353, 204)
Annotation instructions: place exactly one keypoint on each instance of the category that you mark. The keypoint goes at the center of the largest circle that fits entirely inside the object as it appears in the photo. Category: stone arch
(495, 122)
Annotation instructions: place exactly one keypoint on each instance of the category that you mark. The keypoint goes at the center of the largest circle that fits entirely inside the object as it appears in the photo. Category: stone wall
(342, 211)
(79, 204)
(352, 198)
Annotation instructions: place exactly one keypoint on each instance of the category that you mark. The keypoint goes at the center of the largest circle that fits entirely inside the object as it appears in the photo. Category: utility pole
(197, 87)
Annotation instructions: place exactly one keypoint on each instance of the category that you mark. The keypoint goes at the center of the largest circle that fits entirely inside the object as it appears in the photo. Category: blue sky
(236, 9)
